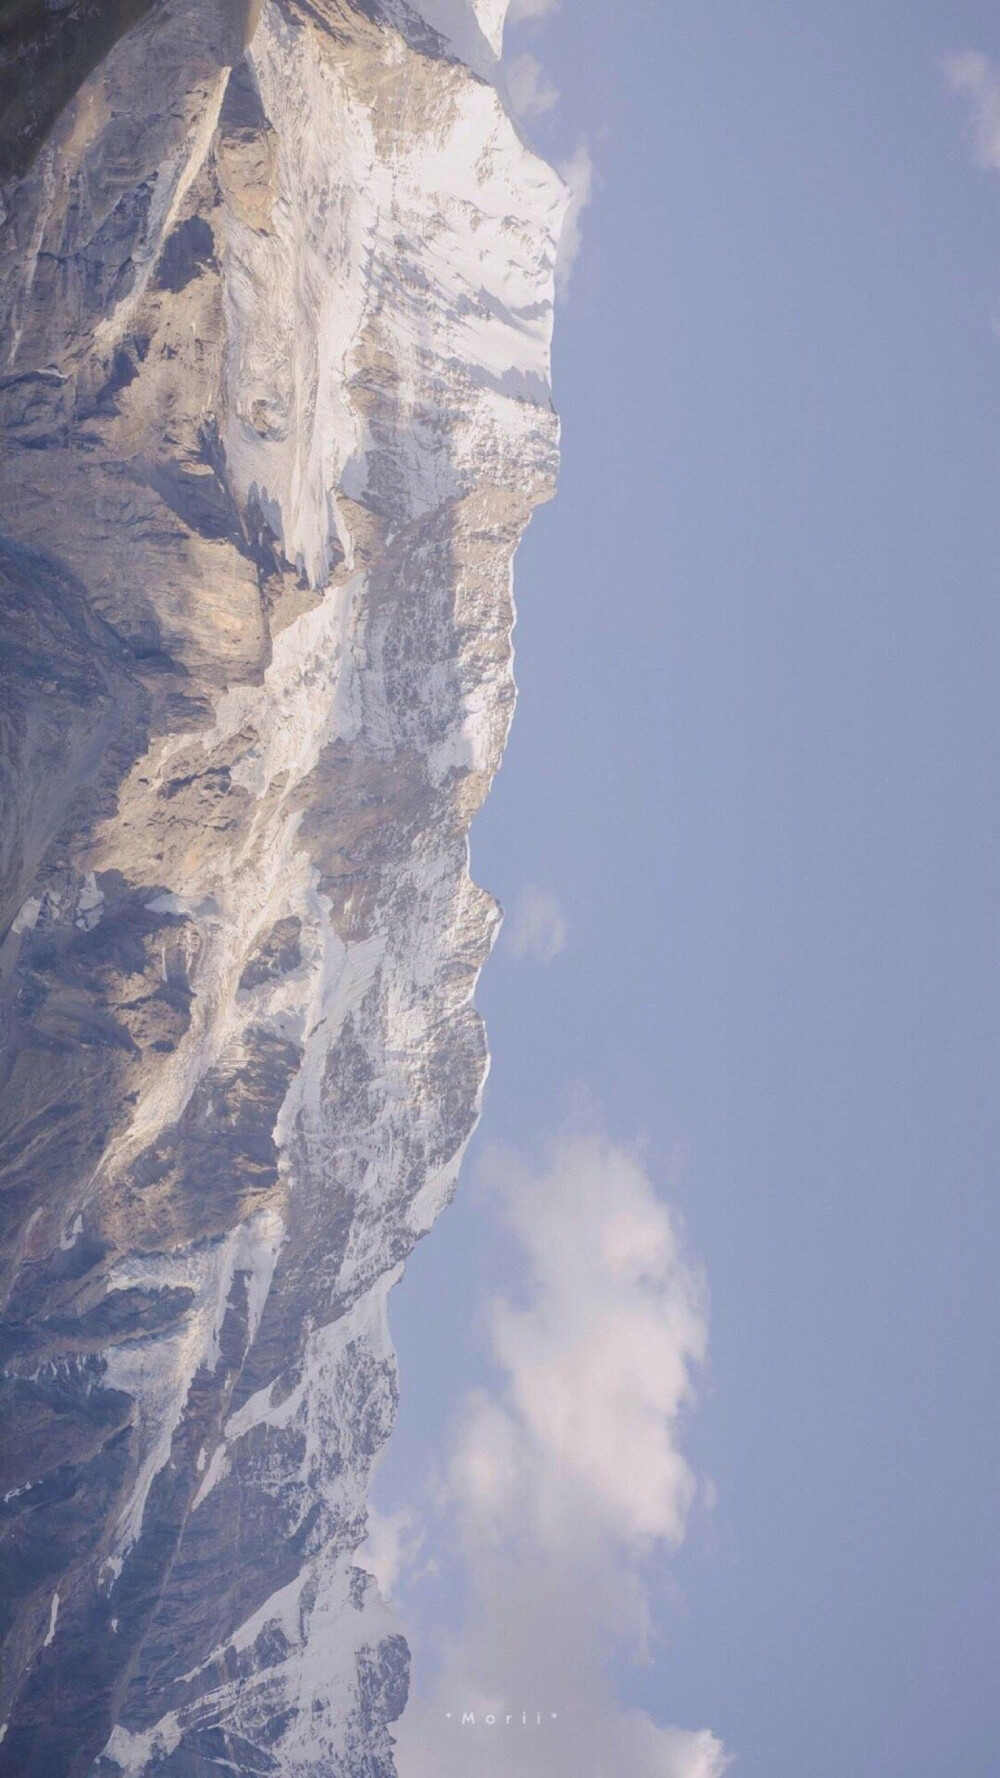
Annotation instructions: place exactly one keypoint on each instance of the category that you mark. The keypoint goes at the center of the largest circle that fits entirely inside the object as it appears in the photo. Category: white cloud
(562, 1478)
(531, 91)
(537, 928)
(522, 10)
(391, 1547)
(978, 79)
(578, 172)
(598, 1363)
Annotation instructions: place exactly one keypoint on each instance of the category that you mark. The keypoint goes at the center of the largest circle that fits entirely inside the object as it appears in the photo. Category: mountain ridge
(277, 301)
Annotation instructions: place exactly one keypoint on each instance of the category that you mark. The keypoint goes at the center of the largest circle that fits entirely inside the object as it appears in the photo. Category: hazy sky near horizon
(701, 1367)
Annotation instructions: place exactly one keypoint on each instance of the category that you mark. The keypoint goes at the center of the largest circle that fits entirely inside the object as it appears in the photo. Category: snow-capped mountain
(276, 299)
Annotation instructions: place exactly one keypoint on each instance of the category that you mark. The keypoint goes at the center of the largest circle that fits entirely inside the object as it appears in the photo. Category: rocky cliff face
(276, 299)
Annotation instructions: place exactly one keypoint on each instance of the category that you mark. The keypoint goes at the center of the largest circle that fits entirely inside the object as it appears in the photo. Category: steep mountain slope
(276, 302)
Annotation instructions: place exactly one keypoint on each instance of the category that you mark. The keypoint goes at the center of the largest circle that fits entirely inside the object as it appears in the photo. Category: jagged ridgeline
(275, 305)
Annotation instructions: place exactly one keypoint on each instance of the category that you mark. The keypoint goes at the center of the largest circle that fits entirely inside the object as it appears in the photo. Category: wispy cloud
(978, 79)
(578, 172)
(598, 1362)
(563, 1477)
(522, 10)
(537, 928)
(392, 1547)
(531, 91)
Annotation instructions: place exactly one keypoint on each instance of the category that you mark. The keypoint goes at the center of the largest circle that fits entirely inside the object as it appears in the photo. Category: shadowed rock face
(275, 298)
(46, 53)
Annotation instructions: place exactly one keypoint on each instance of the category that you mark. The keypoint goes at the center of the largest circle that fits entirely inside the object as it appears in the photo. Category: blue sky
(746, 833)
